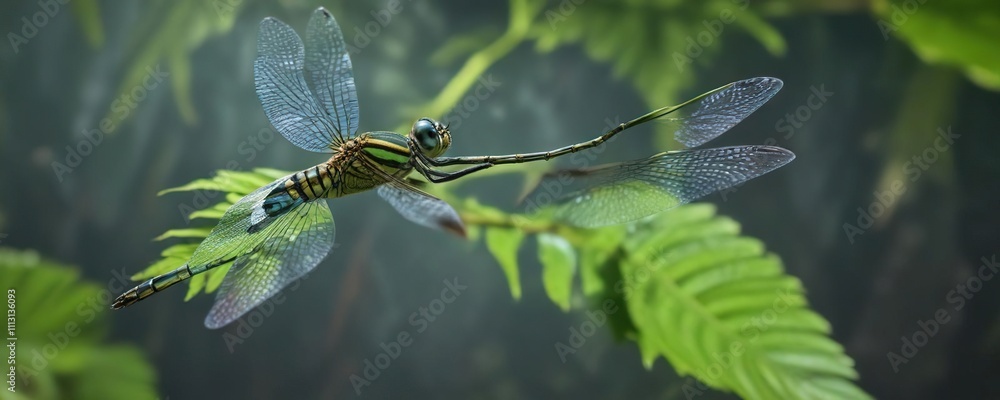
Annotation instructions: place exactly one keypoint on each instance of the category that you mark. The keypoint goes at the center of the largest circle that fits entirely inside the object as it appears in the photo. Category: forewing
(328, 66)
(715, 112)
(283, 92)
(293, 245)
(420, 207)
(624, 192)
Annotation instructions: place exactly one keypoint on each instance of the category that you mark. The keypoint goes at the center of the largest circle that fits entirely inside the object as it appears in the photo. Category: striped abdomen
(310, 184)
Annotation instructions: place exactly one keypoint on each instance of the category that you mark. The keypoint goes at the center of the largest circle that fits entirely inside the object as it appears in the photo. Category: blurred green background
(869, 88)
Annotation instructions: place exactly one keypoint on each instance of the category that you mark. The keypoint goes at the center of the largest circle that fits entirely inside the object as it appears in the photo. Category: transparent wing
(296, 242)
(623, 192)
(288, 246)
(705, 117)
(328, 66)
(283, 92)
(421, 208)
(414, 204)
(230, 237)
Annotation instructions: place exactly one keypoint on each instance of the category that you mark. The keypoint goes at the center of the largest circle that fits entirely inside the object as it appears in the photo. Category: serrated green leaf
(695, 289)
(504, 243)
(234, 185)
(558, 267)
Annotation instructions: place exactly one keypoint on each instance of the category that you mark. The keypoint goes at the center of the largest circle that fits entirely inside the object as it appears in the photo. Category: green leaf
(169, 32)
(215, 212)
(504, 243)
(88, 13)
(185, 233)
(959, 33)
(195, 285)
(648, 42)
(199, 184)
(718, 307)
(215, 280)
(558, 267)
(233, 185)
(598, 246)
(63, 318)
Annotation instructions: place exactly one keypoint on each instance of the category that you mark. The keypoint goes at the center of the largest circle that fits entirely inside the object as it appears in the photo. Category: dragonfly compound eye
(426, 135)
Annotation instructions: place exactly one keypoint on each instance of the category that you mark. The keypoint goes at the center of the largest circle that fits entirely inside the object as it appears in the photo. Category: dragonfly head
(431, 138)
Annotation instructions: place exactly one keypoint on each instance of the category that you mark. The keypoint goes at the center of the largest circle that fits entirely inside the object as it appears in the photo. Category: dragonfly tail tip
(125, 299)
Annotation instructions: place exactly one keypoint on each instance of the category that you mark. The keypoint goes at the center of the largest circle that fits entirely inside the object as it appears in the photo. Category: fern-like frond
(714, 303)
(717, 306)
(234, 185)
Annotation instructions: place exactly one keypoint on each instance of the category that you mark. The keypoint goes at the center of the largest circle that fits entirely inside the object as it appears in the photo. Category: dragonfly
(281, 231)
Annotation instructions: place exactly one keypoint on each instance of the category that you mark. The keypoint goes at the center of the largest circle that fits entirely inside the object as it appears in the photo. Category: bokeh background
(869, 85)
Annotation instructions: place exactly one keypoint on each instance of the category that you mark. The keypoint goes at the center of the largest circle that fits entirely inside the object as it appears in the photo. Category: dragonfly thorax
(430, 137)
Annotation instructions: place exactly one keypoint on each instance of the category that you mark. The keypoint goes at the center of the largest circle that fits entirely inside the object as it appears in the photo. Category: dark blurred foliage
(893, 89)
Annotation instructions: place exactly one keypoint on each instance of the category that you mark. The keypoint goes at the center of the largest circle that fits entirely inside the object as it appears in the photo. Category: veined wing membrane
(623, 192)
(705, 117)
(296, 242)
(416, 205)
(288, 246)
(421, 208)
(283, 92)
(328, 67)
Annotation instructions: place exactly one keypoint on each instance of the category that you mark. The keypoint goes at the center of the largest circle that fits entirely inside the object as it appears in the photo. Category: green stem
(512, 221)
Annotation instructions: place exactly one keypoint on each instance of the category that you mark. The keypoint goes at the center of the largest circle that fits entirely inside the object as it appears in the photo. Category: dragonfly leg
(439, 176)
